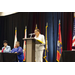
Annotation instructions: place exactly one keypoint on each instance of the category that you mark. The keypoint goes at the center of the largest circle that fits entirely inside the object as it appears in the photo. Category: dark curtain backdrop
(66, 19)
(7, 27)
(20, 20)
(30, 19)
(39, 19)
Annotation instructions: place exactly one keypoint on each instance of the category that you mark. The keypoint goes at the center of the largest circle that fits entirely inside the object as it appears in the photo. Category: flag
(46, 45)
(15, 39)
(73, 40)
(24, 44)
(59, 43)
(36, 26)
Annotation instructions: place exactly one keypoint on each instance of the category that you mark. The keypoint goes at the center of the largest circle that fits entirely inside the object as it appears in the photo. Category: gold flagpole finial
(36, 26)
(46, 24)
(15, 28)
(59, 20)
(25, 27)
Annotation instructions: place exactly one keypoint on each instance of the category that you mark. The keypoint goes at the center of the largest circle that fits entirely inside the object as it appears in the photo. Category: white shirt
(7, 49)
(42, 39)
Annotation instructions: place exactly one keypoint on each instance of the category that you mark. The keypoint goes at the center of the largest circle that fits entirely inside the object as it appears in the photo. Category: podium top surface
(36, 41)
(28, 38)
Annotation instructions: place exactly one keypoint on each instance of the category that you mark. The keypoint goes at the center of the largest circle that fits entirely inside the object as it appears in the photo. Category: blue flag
(46, 45)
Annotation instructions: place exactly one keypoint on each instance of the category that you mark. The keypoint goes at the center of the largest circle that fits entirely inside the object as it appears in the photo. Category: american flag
(73, 40)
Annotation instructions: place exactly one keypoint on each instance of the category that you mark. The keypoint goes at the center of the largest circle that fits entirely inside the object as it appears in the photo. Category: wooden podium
(30, 48)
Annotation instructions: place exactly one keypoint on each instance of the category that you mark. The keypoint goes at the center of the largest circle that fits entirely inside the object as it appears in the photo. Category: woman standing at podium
(39, 48)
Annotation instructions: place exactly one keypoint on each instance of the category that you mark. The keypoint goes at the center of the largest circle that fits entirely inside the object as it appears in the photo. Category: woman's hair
(38, 30)
(5, 41)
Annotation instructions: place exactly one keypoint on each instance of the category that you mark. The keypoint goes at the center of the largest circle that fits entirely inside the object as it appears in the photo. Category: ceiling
(6, 13)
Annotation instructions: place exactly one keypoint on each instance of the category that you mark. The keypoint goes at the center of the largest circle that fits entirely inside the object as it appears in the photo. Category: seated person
(19, 51)
(6, 48)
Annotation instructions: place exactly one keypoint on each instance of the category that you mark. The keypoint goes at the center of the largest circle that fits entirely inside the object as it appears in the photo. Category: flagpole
(24, 44)
(46, 40)
(36, 26)
(46, 43)
(25, 41)
(15, 39)
(59, 43)
(46, 35)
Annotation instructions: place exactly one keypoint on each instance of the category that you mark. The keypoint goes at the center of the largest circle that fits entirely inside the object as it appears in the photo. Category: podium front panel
(30, 48)
(30, 51)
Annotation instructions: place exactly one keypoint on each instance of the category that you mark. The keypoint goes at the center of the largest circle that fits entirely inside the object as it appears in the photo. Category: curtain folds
(30, 19)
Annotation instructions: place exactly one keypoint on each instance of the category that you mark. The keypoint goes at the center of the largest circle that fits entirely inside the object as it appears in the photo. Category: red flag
(24, 44)
(59, 44)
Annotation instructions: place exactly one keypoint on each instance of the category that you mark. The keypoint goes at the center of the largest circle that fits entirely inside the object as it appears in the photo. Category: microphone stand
(31, 35)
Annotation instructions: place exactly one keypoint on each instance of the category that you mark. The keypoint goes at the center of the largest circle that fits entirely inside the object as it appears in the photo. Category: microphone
(31, 34)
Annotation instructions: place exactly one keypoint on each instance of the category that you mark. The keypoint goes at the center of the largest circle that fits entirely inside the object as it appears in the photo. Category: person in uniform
(39, 48)
(6, 48)
(19, 51)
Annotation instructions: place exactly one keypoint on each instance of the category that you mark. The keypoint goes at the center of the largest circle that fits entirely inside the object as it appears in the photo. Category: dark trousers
(20, 60)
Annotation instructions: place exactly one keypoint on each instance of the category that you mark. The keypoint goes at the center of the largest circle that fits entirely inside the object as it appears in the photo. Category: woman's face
(5, 44)
(36, 32)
